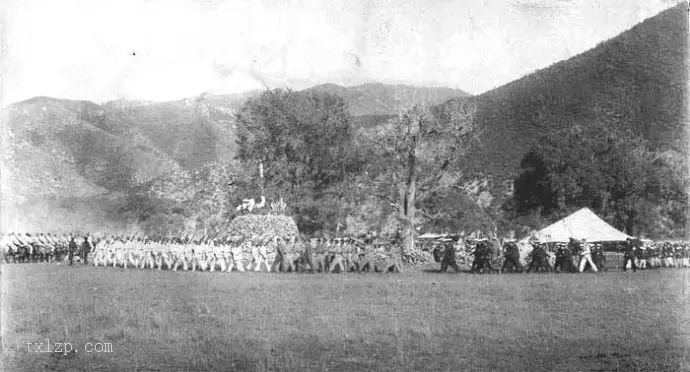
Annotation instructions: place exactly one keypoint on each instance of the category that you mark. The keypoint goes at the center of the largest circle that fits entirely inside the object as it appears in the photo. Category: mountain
(80, 148)
(374, 104)
(637, 79)
(375, 99)
(83, 145)
(68, 157)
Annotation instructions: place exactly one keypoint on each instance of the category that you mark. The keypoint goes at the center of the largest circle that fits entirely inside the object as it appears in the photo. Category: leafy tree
(412, 161)
(613, 171)
(305, 143)
(301, 138)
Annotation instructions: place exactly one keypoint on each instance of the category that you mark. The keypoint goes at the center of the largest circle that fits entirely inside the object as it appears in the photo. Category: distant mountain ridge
(375, 99)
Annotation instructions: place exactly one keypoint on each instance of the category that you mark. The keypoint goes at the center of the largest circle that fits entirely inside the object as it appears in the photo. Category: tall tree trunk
(407, 232)
(407, 204)
(261, 176)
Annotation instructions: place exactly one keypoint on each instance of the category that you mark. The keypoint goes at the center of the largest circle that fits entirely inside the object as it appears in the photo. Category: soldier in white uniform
(586, 256)
(237, 257)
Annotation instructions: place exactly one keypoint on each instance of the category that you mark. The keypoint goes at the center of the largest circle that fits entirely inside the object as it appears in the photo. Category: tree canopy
(305, 141)
(613, 171)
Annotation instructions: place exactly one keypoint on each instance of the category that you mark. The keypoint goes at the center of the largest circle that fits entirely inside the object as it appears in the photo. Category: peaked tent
(583, 224)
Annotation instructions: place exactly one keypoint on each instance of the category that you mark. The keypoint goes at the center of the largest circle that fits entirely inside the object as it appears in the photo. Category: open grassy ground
(413, 321)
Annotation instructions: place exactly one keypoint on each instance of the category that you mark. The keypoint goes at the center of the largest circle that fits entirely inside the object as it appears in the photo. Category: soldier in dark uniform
(482, 258)
(540, 259)
(307, 257)
(478, 257)
(86, 248)
(564, 260)
(512, 258)
(72, 249)
(437, 253)
(448, 259)
(629, 248)
(666, 255)
(279, 262)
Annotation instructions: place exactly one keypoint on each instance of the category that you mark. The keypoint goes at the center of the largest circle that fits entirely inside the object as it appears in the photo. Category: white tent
(583, 224)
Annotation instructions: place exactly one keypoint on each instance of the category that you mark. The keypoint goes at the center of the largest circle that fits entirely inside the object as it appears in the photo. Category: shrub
(263, 227)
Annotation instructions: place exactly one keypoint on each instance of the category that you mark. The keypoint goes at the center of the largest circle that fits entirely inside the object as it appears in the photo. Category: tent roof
(583, 224)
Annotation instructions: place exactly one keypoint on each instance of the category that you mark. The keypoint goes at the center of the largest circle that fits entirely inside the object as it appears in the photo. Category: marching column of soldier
(489, 255)
(481, 255)
(45, 247)
(226, 254)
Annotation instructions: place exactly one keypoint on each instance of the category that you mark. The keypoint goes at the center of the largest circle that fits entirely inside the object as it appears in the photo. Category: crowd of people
(187, 254)
(45, 247)
(489, 255)
(299, 254)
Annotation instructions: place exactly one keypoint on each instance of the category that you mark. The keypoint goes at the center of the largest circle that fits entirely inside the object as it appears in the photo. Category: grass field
(412, 321)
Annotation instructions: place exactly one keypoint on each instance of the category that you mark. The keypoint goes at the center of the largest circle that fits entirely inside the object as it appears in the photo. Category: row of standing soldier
(590, 256)
(336, 255)
(50, 247)
(47, 248)
(319, 255)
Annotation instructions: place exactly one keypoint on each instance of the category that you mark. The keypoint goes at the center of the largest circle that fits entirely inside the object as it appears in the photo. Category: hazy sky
(169, 49)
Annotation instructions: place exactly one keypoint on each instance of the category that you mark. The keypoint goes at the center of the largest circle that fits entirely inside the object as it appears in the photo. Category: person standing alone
(586, 256)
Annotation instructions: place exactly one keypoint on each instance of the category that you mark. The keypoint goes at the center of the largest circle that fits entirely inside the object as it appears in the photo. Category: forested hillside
(636, 80)
(605, 129)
